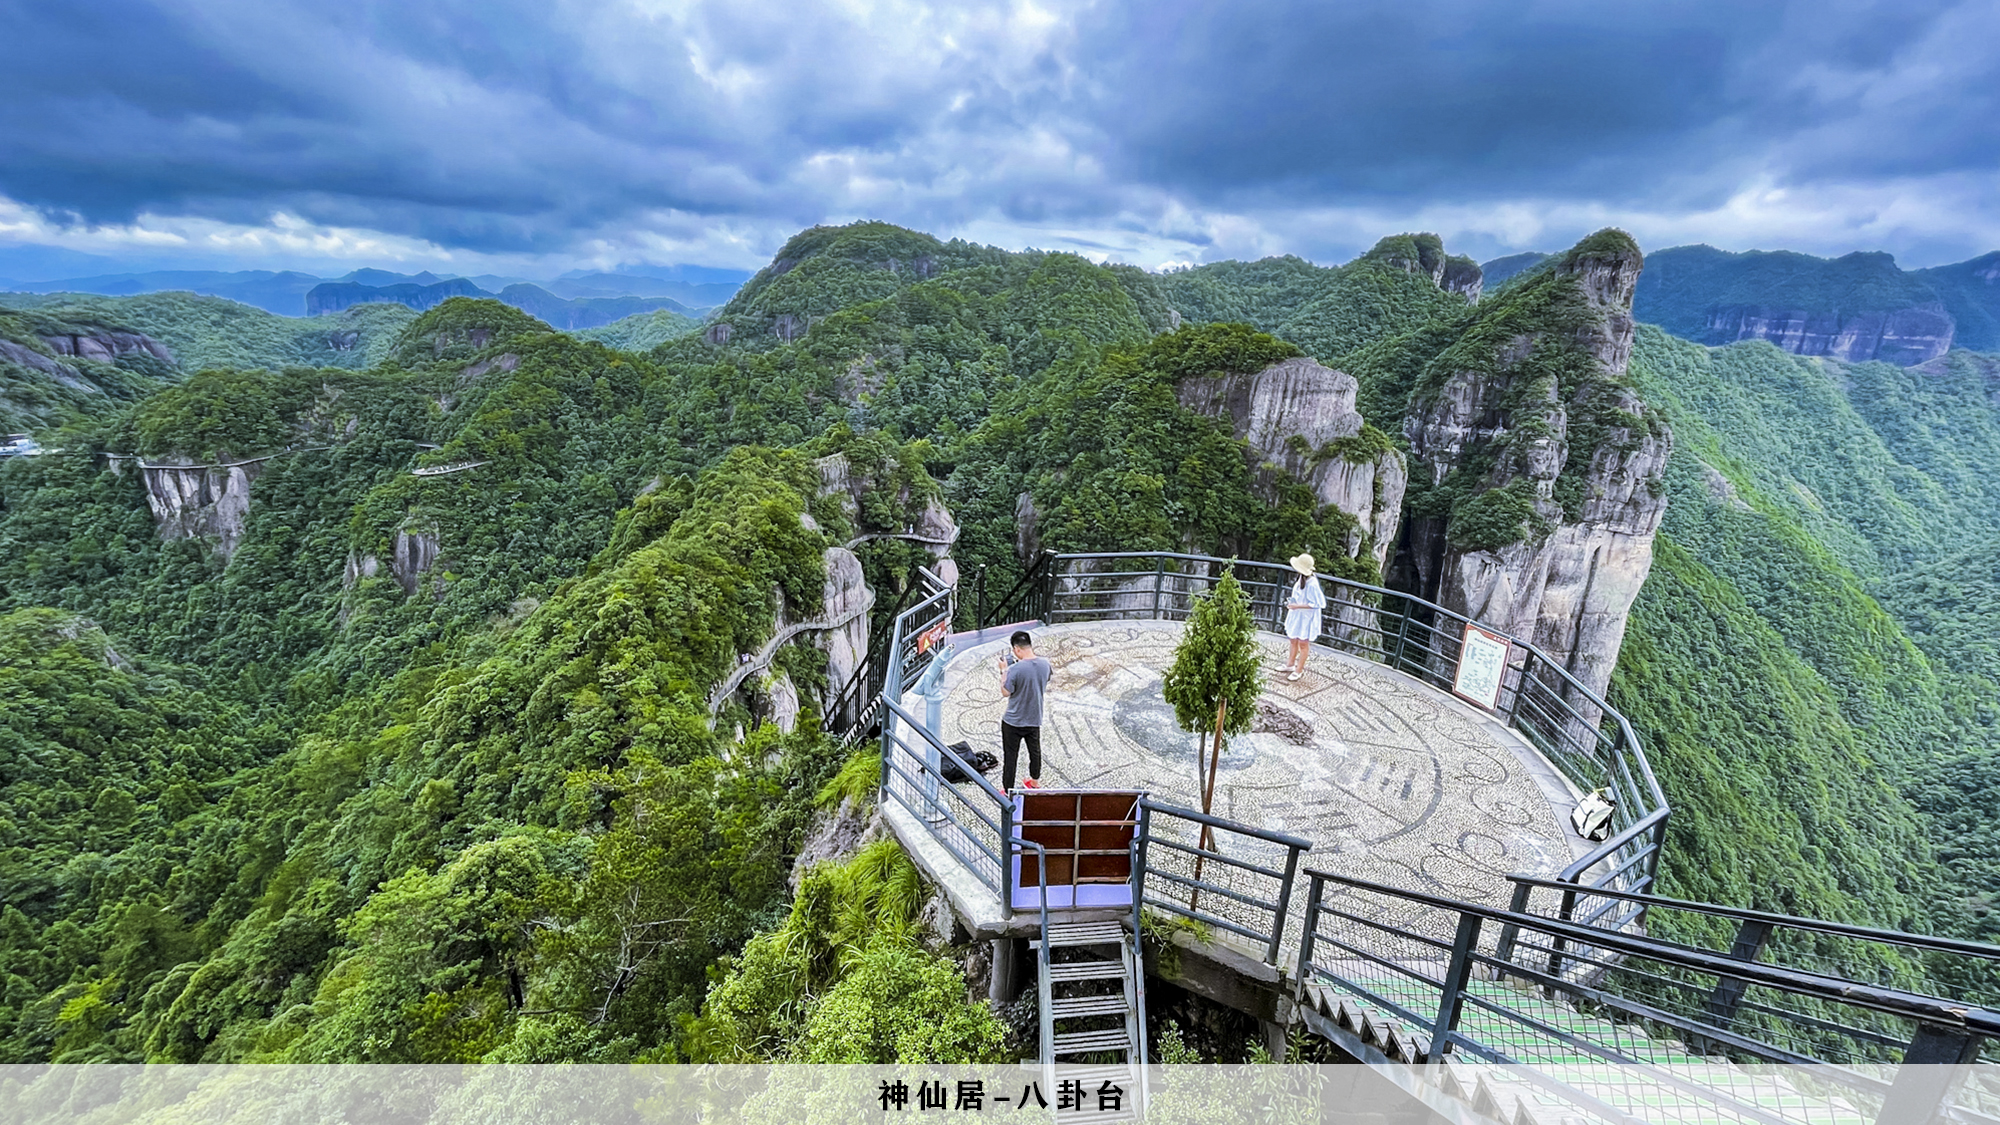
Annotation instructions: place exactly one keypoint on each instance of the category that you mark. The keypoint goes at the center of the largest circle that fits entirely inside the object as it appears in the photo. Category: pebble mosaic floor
(1392, 780)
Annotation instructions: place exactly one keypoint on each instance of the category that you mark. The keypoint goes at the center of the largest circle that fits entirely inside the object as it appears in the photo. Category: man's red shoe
(1030, 783)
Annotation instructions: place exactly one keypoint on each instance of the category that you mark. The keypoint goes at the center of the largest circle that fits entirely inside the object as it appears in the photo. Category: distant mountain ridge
(335, 296)
(691, 289)
(559, 312)
(1854, 308)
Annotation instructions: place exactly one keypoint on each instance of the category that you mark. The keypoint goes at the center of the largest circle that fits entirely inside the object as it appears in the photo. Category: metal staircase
(1093, 1013)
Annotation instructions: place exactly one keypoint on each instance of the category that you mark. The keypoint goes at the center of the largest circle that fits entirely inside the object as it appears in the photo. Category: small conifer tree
(1216, 678)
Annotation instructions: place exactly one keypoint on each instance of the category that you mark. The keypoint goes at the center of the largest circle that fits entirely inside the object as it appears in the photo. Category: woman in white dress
(1302, 615)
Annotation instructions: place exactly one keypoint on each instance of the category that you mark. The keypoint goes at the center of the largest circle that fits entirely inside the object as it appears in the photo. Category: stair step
(1092, 1076)
(1073, 1007)
(1095, 1117)
(1084, 1042)
(1086, 933)
(1087, 970)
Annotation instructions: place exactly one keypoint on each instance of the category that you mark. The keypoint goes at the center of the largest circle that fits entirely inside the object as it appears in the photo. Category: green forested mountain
(642, 331)
(46, 383)
(214, 332)
(1970, 291)
(1798, 529)
(349, 763)
(1808, 303)
(1686, 283)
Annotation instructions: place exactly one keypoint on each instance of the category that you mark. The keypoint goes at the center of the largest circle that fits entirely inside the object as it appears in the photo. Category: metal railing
(1025, 600)
(856, 705)
(1490, 985)
(972, 819)
(1588, 742)
(1244, 888)
(1968, 970)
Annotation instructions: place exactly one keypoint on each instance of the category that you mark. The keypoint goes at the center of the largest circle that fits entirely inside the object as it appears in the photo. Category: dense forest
(404, 766)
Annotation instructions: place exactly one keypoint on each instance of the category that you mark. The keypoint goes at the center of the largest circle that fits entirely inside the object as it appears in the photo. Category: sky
(531, 137)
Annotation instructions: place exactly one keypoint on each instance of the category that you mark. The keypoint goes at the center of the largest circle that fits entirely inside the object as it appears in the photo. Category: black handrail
(1447, 975)
(1792, 922)
(1891, 1001)
(1651, 822)
(1000, 822)
(1237, 827)
(1279, 908)
(1031, 582)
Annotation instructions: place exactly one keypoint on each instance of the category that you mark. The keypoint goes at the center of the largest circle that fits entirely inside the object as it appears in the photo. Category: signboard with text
(1482, 664)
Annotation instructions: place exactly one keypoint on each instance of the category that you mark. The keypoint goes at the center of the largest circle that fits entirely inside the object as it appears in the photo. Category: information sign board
(1482, 664)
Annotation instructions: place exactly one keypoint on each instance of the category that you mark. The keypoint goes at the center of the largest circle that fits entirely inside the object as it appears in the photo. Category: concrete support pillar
(1276, 1040)
(1006, 983)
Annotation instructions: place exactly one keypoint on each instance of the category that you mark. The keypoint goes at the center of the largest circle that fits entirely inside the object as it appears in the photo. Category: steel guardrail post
(1932, 1066)
(1659, 845)
(1315, 891)
(1402, 637)
(1456, 976)
(1284, 906)
(1139, 851)
(1751, 937)
(1520, 688)
(1557, 943)
(1007, 858)
(885, 754)
(1511, 932)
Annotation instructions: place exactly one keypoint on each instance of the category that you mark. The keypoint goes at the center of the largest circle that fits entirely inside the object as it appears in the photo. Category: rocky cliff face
(846, 592)
(1423, 255)
(1543, 467)
(1298, 417)
(839, 624)
(107, 346)
(1904, 337)
(201, 501)
(103, 346)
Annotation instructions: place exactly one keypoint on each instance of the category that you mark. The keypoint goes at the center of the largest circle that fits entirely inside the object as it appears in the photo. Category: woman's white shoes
(1295, 675)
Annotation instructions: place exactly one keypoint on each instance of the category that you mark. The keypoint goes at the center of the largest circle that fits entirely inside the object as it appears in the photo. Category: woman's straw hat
(1303, 564)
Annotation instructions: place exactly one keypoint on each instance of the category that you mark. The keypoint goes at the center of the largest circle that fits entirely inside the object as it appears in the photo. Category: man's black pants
(1011, 738)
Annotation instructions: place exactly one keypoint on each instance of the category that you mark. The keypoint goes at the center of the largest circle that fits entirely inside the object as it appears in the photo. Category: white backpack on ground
(1591, 818)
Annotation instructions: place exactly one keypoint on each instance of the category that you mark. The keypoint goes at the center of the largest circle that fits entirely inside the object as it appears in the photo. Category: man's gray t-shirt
(1025, 681)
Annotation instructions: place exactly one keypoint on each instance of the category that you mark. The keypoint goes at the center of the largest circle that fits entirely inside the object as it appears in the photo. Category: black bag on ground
(981, 760)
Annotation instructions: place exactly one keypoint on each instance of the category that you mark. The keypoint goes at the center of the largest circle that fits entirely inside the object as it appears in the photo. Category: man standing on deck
(1024, 677)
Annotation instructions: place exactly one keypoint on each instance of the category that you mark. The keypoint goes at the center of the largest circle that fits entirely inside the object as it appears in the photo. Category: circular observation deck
(1392, 780)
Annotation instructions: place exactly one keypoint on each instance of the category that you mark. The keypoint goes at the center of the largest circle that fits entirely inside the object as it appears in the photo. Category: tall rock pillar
(1543, 466)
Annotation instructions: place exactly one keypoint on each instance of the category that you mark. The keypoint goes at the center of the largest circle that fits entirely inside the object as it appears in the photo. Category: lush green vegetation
(1110, 460)
(427, 769)
(215, 332)
(42, 388)
(1681, 285)
(1834, 511)
(1971, 297)
(376, 826)
(642, 331)
(1263, 294)
(1326, 312)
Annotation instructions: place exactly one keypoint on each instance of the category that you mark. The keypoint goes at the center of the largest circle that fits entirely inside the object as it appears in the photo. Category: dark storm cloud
(1467, 99)
(533, 127)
